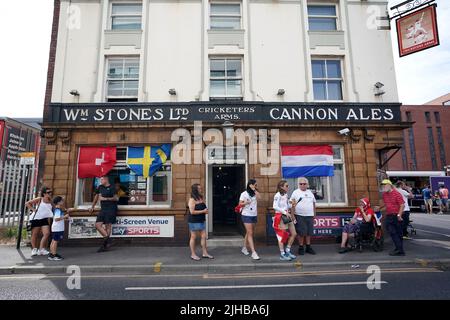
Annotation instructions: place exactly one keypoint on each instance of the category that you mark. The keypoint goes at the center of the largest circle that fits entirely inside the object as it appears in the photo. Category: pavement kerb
(205, 268)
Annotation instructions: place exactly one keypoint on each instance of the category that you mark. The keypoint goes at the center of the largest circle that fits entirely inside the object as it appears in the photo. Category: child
(57, 227)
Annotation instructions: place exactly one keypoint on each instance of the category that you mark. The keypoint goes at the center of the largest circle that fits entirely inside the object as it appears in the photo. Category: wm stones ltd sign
(222, 111)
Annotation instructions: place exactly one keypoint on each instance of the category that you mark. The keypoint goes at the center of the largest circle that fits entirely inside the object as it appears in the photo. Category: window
(126, 16)
(437, 117)
(432, 151)
(427, 117)
(441, 147)
(412, 148)
(322, 17)
(122, 79)
(136, 190)
(225, 16)
(327, 79)
(327, 190)
(225, 78)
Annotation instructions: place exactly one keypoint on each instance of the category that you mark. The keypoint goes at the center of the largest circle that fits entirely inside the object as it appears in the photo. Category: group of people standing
(294, 219)
(441, 197)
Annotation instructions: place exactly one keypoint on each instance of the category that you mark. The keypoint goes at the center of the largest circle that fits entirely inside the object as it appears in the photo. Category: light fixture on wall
(378, 90)
(172, 92)
(74, 92)
(281, 92)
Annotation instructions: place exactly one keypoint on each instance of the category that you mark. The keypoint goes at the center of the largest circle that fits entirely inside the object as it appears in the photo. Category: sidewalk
(145, 260)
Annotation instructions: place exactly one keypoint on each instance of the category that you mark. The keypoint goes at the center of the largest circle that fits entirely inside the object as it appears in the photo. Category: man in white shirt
(304, 202)
(406, 194)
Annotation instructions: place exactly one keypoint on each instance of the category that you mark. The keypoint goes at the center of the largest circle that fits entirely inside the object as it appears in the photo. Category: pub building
(126, 74)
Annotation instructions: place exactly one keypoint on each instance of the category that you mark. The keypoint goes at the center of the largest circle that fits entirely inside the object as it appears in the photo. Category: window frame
(112, 15)
(226, 79)
(321, 4)
(211, 15)
(330, 204)
(109, 98)
(326, 79)
(120, 164)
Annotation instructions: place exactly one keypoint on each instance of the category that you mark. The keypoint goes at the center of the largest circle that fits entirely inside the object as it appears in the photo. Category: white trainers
(245, 251)
(43, 252)
(255, 256)
(34, 252)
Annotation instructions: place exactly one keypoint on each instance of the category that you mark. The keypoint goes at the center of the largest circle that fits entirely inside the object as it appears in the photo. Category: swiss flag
(95, 161)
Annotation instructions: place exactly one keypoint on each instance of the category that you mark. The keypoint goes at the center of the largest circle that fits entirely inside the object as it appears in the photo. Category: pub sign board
(223, 111)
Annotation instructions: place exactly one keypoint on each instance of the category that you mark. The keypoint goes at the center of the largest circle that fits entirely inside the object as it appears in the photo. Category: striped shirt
(392, 201)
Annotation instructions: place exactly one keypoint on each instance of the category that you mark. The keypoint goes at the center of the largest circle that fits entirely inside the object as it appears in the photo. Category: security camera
(378, 85)
(74, 92)
(344, 131)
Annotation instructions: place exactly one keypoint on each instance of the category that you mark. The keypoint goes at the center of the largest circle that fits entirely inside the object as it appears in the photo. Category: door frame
(209, 184)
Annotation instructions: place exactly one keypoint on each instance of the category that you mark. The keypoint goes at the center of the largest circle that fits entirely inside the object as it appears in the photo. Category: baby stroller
(370, 234)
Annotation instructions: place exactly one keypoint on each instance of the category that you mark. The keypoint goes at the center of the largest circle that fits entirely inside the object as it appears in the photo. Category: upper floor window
(327, 79)
(225, 78)
(126, 16)
(322, 17)
(225, 16)
(427, 117)
(408, 116)
(437, 117)
(122, 79)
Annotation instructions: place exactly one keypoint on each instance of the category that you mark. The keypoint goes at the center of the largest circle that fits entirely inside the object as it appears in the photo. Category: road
(432, 229)
(394, 283)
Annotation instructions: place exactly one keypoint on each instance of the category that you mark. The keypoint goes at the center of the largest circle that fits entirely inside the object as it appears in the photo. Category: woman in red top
(364, 213)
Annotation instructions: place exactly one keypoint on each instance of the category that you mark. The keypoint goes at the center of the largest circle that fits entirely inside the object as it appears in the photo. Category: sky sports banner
(78, 113)
(125, 227)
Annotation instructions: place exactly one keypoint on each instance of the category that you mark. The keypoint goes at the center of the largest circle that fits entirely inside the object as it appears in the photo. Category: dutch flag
(306, 161)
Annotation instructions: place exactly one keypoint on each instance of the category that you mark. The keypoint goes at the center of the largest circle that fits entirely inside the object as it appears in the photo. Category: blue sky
(421, 77)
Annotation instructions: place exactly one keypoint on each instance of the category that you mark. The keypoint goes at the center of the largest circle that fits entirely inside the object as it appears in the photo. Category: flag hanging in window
(145, 161)
(307, 161)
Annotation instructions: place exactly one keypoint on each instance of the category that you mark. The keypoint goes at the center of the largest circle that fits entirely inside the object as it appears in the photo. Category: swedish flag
(145, 161)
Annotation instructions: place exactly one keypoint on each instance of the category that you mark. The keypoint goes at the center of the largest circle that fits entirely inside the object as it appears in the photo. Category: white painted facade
(176, 43)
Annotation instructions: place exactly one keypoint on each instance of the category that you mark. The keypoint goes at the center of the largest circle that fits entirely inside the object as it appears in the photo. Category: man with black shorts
(304, 203)
(108, 211)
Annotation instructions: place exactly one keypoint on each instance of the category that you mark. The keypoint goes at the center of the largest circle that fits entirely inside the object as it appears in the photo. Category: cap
(386, 181)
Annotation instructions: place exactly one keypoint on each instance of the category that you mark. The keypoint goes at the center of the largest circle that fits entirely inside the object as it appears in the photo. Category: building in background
(127, 74)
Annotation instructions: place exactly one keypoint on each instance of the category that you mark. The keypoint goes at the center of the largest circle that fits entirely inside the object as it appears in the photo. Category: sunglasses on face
(303, 184)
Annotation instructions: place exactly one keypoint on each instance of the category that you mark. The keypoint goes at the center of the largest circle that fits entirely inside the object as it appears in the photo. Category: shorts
(352, 228)
(58, 236)
(249, 219)
(39, 223)
(196, 226)
(107, 217)
(304, 226)
(428, 202)
(444, 202)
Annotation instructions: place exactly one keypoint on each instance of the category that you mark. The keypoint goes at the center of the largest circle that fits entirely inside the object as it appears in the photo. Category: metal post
(22, 211)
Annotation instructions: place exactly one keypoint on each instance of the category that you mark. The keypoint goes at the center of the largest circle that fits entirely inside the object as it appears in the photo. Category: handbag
(238, 209)
(29, 220)
(286, 219)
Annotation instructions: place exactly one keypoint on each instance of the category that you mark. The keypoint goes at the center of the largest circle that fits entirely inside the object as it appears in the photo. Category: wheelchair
(370, 235)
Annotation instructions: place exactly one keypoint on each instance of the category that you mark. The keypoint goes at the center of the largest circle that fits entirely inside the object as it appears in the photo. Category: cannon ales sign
(222, 111)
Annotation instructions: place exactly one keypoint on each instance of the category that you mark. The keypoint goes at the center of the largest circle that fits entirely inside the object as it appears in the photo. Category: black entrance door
(228, 183)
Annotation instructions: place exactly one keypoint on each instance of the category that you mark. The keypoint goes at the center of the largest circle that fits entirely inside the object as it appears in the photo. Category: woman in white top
(40, 221)
(281, 206)
(248, 200)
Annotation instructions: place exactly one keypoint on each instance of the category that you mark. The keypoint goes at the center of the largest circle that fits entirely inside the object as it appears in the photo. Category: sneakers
(396, 253)
(343, 250)
(301, 250)
(54, 257)
(34, 252)
(290, 255)
(285, 257)
(245, 251)
(255, 256)
(101, 249)
(407, 238)
(43, 252)
(310, 250)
